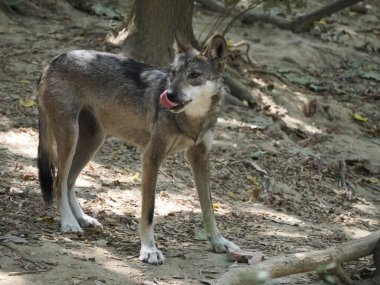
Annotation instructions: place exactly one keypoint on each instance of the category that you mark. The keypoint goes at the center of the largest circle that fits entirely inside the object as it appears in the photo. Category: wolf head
(195, 77)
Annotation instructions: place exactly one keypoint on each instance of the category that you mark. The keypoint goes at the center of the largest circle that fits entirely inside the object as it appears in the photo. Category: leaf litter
(276, 185)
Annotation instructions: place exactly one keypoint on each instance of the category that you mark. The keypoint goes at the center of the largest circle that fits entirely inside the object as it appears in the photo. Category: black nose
(171, 94)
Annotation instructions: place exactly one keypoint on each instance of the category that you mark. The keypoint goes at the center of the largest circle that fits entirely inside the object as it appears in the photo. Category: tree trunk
(150, 27)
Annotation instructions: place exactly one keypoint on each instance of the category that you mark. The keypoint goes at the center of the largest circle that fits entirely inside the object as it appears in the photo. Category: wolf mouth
(171, 105)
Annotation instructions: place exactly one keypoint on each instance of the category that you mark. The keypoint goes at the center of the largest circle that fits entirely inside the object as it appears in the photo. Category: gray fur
(85, 96)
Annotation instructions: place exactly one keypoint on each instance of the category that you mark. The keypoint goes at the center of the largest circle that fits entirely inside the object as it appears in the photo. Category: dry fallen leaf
(46, 219)
(27, 103)
(136, 177)
(360, 118)
(216, 205)
(253, 179)
(256, 257)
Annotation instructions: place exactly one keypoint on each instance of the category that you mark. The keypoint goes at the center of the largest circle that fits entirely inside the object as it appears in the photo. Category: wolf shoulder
(105, 65)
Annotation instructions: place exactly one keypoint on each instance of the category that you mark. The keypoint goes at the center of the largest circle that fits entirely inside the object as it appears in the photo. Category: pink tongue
(164, 100)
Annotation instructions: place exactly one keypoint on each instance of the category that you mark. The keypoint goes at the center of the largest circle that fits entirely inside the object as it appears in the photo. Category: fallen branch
(306, 261)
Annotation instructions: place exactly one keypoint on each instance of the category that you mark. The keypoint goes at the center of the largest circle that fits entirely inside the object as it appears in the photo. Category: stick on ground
(302, 262)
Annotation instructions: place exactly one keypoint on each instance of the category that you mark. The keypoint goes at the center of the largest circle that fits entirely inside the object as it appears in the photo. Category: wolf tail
(45, 159)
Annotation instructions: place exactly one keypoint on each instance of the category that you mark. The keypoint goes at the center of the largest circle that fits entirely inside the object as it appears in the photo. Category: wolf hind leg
(90, 139)
(66, 138)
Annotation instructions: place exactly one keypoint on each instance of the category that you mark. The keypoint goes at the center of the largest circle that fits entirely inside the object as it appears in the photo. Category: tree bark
(302, 262)
(148, 33)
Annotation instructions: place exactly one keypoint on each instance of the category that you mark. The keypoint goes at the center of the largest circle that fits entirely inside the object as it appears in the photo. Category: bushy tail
(45, 163)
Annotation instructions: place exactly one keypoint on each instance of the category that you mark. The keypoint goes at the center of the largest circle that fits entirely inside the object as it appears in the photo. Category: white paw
(220, 244)
(152, 256)
(87, 221)
(70, 226)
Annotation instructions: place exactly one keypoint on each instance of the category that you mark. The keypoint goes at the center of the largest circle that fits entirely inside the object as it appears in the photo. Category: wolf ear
(181, 44)
(216, 52)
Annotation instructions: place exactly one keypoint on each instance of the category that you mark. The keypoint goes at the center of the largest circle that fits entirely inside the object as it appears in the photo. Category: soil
(299, 172)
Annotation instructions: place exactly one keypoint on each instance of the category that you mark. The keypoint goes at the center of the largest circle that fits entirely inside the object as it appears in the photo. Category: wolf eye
(194, 75)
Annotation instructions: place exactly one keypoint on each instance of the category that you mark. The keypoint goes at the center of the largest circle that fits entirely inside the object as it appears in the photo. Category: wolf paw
(152, 256)
(70, 226)
(220, 244)
(87, 221)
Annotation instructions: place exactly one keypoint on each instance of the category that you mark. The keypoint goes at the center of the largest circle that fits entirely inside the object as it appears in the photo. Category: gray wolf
(85, 96)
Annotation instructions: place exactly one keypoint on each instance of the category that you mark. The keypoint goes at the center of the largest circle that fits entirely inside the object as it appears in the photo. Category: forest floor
(299, 172)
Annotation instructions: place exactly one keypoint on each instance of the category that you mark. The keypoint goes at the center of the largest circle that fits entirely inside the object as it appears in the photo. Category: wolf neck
(197, 124)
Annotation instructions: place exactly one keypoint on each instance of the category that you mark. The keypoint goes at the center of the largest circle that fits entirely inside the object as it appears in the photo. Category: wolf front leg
(151, 161)
(198, 157)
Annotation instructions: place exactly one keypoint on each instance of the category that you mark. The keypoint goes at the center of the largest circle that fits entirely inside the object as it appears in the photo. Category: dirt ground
(299, 172)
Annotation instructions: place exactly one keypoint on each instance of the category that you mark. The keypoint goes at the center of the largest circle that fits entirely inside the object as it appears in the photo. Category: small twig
(131, 257)
(238, 15)
(114, 28)
(19, 253)
(201, 274)
(27, 272)
(248, 46)
(342, 276)
(218, 22)
(342, 174)
(2, 2)
(345, 184)
(370, 30)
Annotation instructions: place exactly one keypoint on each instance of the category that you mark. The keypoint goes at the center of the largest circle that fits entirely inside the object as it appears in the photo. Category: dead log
(239, 90)
(304, 22)
(297, 25)
(232, 100)
(301, 23)
(303, 262)
(213, 5)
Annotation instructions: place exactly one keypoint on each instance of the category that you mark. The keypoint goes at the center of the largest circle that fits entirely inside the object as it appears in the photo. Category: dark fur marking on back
(133, 69)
